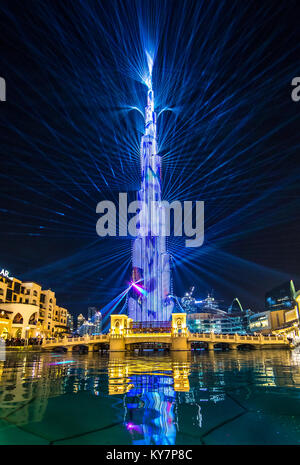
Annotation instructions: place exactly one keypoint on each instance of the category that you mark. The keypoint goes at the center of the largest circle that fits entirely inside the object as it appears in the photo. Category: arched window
(18, 319)
(32, 319)
(179, 326)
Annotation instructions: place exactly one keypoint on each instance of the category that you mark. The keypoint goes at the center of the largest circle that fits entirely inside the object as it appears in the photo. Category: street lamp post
(26, 335)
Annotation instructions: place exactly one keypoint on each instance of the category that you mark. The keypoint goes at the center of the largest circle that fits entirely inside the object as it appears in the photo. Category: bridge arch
(246, 346)
(222, 345)
(79, 348)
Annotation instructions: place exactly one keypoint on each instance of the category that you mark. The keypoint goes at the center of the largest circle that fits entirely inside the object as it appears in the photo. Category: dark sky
(228, 133)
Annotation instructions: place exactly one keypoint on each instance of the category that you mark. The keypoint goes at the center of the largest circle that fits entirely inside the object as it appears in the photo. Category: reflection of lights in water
(150, 408)
(150, 394)
(133, 427)
(199, 415)
(62, 363)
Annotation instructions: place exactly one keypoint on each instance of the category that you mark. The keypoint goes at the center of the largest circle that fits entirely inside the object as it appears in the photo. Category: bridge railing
(212, 337)
(71, 340)
(239, 337)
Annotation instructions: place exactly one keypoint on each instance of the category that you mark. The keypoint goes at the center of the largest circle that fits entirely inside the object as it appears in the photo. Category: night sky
(228, 132)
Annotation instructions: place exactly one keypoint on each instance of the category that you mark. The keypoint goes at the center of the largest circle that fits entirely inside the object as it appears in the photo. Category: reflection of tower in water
(150, 395)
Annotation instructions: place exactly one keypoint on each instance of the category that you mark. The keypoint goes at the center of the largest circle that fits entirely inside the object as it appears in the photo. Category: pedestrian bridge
(122, 337)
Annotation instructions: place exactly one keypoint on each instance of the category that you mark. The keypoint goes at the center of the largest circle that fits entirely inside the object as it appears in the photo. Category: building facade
(27, 310)
(80, 321)
(281, 315)
(205, 315)
(92, 326)
(218, 323)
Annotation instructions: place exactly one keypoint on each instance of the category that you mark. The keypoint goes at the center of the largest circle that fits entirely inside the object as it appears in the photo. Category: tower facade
(150, 260)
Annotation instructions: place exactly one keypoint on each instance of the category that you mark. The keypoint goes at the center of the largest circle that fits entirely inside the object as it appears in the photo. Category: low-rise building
(281, 315)
(27, 310)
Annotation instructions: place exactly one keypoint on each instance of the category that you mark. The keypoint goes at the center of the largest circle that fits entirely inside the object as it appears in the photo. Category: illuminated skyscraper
(80, 320)
(150, 260)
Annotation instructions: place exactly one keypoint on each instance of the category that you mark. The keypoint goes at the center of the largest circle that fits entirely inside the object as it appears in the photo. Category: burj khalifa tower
(149, 300)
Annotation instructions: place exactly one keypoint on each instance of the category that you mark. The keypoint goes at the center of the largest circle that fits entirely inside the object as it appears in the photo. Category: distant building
(70, 322)
(266, 322)
(80, 321)
(92, 312)
(97, 320)
(92, 326)
(85, 328)
(205, 316)
(281, 297)
(281, 315)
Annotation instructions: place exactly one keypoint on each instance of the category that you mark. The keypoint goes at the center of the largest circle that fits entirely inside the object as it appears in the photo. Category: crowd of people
(15, 341)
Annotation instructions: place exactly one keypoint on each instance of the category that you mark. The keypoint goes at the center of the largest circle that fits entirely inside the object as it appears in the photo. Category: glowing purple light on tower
(139, 288)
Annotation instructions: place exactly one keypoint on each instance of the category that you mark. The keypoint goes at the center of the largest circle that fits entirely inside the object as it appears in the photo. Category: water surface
(231, 397)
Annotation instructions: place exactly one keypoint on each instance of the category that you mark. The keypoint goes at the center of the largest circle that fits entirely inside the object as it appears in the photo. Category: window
(18, 319)
(17, 287)
(32, 319)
